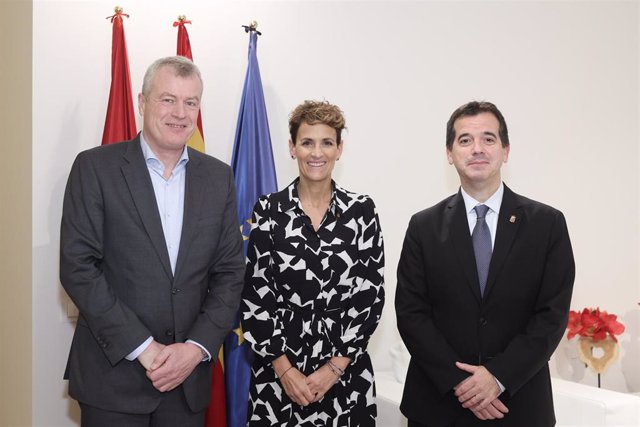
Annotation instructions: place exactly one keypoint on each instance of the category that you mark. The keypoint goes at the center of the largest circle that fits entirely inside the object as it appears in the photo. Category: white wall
(565, 74)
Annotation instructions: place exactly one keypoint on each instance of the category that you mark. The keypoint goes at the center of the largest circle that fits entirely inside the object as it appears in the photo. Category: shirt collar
(336, 205)
(493, 202)
(152, 160)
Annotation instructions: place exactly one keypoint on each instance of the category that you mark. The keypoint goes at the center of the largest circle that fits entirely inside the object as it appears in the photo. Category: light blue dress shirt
(169, 194)
(169, 197)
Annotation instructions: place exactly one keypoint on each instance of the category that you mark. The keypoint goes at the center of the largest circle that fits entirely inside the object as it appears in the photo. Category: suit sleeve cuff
(206, 358)
(138, 351)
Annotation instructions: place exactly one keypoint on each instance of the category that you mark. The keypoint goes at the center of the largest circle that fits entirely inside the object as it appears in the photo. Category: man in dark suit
(151, 254)
(484, 285)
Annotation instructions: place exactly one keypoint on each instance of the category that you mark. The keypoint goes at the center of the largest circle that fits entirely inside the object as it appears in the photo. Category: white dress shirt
(494, 202)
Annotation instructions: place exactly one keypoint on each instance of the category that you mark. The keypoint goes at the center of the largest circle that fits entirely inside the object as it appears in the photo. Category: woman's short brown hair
(314, 112)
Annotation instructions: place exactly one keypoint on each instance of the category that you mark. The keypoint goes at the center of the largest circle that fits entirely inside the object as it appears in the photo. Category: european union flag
(255, 175)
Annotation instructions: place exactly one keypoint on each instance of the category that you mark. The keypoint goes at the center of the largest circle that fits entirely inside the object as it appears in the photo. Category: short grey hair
(182, 67)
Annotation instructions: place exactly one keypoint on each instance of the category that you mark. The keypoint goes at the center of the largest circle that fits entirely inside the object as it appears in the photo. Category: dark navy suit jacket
(512, 330)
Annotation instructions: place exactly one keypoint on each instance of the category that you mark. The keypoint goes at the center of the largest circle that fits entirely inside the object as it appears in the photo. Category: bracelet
(285, 371)
(334, 366)
(335, 369)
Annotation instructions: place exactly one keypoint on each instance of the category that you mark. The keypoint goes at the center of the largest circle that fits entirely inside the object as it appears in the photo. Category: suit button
(168, 333)
(483, 321)
(174, 291)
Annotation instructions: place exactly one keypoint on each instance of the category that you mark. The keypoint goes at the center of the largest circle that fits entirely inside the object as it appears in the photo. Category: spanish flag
(216, 415)
(184, 49)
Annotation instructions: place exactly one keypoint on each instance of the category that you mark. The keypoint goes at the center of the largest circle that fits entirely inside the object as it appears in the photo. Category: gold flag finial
(252, 27)
(182, 19)
(119, 12)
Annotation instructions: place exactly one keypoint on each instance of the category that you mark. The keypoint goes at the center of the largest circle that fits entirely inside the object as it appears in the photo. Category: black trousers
(173, 411)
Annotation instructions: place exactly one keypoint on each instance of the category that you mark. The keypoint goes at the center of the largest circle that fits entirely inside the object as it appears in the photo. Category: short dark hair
(314, 112)
(474, 108)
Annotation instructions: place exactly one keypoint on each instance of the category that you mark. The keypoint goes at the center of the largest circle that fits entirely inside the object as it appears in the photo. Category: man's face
(477, 152)
(170, 111)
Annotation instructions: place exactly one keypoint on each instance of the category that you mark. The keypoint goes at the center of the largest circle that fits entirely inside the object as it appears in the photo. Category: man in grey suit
(151, 254)
(484, 286)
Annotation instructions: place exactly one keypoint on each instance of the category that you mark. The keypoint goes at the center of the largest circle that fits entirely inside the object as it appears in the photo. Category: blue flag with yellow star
(255, 175)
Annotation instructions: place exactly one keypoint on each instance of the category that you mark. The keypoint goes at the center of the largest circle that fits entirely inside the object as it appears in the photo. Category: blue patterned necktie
(481, 238)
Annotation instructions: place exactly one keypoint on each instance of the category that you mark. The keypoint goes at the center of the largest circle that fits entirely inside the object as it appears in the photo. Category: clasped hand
(168, 366)
(305, 390)
(479, 393)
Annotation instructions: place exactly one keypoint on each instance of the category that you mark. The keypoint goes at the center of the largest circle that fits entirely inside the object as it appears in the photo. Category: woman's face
(316, 149)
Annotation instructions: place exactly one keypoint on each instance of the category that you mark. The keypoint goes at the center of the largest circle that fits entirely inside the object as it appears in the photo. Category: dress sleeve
(367, 298)
(261, 322)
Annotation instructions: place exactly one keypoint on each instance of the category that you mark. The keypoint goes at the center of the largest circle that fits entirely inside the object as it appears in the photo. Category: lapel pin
(512, 220)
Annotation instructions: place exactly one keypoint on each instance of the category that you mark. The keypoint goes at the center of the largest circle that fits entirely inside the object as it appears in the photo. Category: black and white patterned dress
(312, 295)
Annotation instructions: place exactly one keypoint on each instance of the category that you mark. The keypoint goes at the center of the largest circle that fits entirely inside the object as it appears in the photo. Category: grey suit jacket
(115, 267)
(512, 330)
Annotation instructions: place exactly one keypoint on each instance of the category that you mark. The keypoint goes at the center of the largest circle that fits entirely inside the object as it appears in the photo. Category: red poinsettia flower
(575, 324)
(591, 324)
(612, 325)
(594, 324)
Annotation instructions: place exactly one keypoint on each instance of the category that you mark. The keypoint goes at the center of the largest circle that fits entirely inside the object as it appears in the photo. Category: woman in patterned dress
(313, 288)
